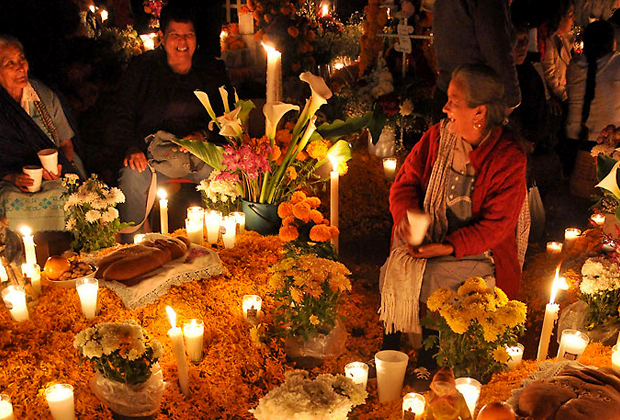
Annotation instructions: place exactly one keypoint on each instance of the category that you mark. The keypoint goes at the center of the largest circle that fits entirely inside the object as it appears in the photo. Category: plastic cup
(36, 173)
(49, 160)
(391, 367)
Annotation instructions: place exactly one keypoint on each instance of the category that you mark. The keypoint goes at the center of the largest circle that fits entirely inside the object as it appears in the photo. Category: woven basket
(583, 179)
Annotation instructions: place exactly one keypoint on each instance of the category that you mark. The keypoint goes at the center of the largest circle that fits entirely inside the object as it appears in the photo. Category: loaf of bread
(136, 260)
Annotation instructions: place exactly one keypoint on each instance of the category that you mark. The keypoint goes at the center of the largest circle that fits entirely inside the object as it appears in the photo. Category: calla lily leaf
(340, 150)
(207, 152)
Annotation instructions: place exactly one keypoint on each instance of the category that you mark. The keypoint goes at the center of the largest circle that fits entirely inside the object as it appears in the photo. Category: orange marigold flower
(285, 210)
(301, 211)
(291, 172)
(289, 220)
(288, 233)
(314, 320)
(314, 202)
(289, 125)
(318, 148)
(310, 36)
(293, 31)
(301, 156)
(320, 233)
(297, 197)
(277, 153)
(334, 231)
(316, 216)
(284, 136)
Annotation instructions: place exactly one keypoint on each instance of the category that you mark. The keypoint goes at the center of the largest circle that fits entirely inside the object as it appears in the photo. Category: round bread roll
(136, 265)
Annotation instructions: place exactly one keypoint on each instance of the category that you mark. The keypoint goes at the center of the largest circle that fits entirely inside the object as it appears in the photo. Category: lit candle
(87, 290)
(3, 275)
(358, 372)
(572, 345)
(333, 199)
(163, 211)
(389, 167)
(570, 236)
(251, 308)
(193, 331)
(324, 10)
(6, 408)
(178, 348)
(194, 230)
(31, 256)
(598, 219)
(33, 272)
(15, 300)
(196, 213)
(104, 15)
(516, 355)
(551, 315)
(230, 231)
(148, 41)
(470, 389)
(139, 238)
(92, 8)
(240, 219)
(554, 247)
(213, 219)
(615, 356)
(274, 74)
(413, 406)
(60, 401)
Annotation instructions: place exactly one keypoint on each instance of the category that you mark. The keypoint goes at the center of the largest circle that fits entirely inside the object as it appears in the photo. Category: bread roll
(132, 266)
(119, 254)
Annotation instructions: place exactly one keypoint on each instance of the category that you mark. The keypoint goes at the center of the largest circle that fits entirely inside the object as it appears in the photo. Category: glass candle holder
(598, 219)
(572, 345)
(60, 401)
(389, 167)
(358, 372)
(554, 247)
(470, 389)
(15, 300)
(87, 288)
(6, 408)
(516, 356)
(193, 331)
(251, 305)
(413, 406)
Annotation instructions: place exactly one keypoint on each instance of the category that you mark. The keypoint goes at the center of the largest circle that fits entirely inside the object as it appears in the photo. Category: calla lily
(320, 92)
(273, 113)
(230, 125)
(610, 182)
(236, 96)
(204, 100)
(224, 95)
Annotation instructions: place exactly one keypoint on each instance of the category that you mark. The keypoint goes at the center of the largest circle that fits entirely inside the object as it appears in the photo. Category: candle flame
(104, 15)
(92, 8)
(161, 193)
(25, 230)
(270, 48)
(559, 283)
(324, 10)
(223, 34)
(334, 161)
(172, 316)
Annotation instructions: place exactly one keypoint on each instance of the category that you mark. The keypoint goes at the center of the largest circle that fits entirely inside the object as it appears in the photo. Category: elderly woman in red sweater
(467, 173)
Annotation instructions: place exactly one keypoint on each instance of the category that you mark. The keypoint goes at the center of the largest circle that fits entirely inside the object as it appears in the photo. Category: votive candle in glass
(240, 219)
(251, 305)
(6, 408)
(60, 401)
(598, 219)
(33, 272)
(138, 238)
(193, 331)
(554, 247)
(572, 345)
(389, 167)
(570, 236)
(413, 406)
(358, 372)
(194, 230)
(87, 288)
(213, 219)
(229, 235)
(516, 355)
(15, 300)
(470, 389)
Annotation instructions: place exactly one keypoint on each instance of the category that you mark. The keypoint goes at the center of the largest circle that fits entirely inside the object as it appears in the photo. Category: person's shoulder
(46, 94)
(147, 60)
(510, 144)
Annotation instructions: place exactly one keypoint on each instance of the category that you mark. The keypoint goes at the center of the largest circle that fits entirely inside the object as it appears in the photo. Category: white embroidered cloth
(198, 263)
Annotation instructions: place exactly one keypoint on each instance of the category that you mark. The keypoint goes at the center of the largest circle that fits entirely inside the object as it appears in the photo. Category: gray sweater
(475, 31)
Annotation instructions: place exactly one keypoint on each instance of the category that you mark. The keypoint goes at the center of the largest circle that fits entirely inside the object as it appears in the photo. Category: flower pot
(261, 217)
(140, 401)
(310, 353)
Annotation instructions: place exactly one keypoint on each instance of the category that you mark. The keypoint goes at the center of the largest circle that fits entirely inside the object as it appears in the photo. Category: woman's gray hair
(7, 40)
(483, 87)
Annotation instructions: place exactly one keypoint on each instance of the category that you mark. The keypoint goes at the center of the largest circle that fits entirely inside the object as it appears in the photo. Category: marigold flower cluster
(301, 214)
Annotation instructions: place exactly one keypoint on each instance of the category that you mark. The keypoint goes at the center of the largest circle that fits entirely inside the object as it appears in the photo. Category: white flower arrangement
(301, 398)
(119, 351)
(218, 193)
(91, 212)
(600, 288)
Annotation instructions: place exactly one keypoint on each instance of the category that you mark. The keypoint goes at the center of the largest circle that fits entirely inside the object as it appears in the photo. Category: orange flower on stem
(293, 31)
(314, 202)
(288, 233)
(301, 211)
(320, 233)
(316, 216)
(288, 221)
(285, 210)
(291, 172)
(297, 197)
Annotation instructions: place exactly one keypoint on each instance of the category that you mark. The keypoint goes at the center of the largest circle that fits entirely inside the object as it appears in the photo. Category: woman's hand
(21, 181)
(66, 147)
(401, 230)
(136, 161)
(430, 250)
(48, 176)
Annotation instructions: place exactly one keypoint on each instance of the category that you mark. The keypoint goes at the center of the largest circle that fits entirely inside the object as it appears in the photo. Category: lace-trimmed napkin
(199, 263)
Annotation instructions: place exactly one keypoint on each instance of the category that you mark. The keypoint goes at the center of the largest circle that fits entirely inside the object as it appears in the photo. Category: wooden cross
(232, 4)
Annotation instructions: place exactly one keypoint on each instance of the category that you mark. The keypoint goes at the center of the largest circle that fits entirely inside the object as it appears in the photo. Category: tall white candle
(240, 219)
(213, 219)
(31, 256)
(178, 349)
(274, 74)
(615, 356)
(251, 305)
(551, 315)
(15, 300)
(333, 199)
(572, 345)
(87, 289)
(229, 235)
(516, 355)
(34, 274)
(194, 230)
(389, 167)
(60, 401)
(163, 211)
(3, 275)
(358, 372)
(413, 406)
(470, 388)
(193, 331)
(6, 408)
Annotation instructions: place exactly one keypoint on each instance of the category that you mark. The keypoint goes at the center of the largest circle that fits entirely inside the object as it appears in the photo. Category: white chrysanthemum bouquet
(119, 351)
(219, 194)
(90, 212)
(600, 289)
(301, 398)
